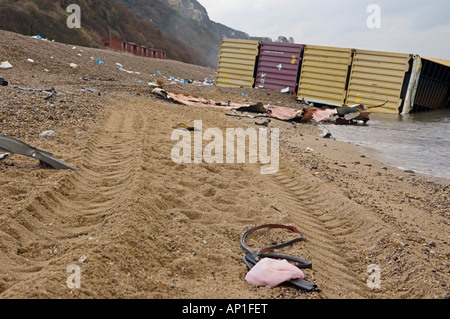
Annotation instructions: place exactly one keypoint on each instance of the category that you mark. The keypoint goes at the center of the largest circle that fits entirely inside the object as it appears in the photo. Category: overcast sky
(407, 26)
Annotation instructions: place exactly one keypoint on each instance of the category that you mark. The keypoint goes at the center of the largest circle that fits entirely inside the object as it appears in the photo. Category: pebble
(431, 244)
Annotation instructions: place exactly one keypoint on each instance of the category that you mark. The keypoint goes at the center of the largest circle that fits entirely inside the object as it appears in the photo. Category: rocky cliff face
(188, 20)
(190, 9)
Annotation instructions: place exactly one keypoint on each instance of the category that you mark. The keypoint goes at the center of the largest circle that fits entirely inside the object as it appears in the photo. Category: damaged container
(237, 63)
(433, 87)
(379, 79)
(323, 76)
(279, 66)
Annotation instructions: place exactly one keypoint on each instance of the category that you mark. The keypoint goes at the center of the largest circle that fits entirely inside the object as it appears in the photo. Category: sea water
(418, 142)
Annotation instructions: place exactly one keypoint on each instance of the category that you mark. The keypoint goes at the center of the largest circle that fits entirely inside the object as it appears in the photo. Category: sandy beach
(140, 226)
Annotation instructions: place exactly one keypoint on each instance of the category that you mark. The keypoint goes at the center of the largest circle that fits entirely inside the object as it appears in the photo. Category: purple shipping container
(278, 66)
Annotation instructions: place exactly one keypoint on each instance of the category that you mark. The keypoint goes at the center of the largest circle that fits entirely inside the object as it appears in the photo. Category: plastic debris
(155, 84)
(49, 133)
(208, 82)
(73, 65)
(3, 82)
(3, 156)
(5, 65)
(99, 61)
(266, 123)
(271, 273)
(30, 60)
(12, 145)
(182, 126)
(50, 92)
(82, 259)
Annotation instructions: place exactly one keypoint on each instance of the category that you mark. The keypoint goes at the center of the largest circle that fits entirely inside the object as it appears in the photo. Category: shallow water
(418, 142)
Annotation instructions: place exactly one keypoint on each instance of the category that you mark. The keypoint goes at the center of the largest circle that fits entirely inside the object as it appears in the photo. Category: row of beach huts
(134, 48)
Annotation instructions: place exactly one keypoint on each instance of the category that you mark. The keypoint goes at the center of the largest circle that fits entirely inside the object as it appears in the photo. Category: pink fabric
(323, 115)
(284, 113)
(272, 272)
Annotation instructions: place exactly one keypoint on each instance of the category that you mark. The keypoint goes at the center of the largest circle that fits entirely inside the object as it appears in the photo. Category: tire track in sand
(59, 217)
(332, 273)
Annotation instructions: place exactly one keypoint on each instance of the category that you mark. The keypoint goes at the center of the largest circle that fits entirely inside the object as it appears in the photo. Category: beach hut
(114, 44)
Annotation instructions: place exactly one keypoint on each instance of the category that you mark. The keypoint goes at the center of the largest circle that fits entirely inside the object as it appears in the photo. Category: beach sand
(140, 226)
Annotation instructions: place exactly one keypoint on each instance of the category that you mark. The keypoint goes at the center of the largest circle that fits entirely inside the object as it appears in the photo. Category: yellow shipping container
(324, 73)
(237, 63)
(377, 78)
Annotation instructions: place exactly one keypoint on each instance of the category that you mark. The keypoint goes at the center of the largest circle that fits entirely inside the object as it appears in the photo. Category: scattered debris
(73, 65)
(12, 145)
(50, 92)
(183, 126)
(91, 90)
(266, 123)
(208, 82)
(156, 84)
(278, 112)
(3, 82)
(305, 114)
(49, 133)
(5, 65)
(30, 60)
(271, 272)
(82, 259)
(3, 156)
(345, 115)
